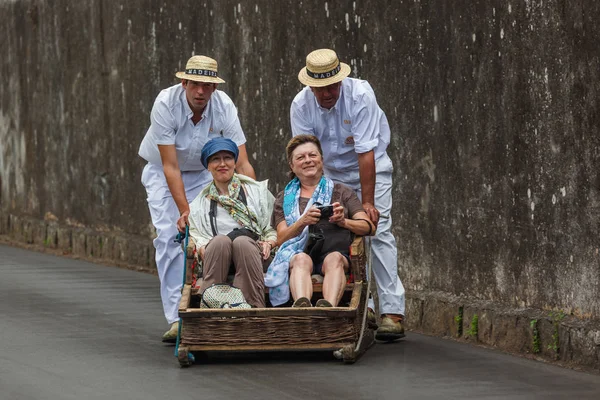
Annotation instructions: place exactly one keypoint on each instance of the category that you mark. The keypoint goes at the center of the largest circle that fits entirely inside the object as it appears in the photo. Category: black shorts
(318, 267)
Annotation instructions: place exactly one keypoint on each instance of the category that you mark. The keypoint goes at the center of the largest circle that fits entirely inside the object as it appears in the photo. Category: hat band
(324, 75)
(201, 72)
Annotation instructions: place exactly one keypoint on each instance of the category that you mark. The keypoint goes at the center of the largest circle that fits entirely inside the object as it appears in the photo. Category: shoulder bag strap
(242, 196)
(213, 216)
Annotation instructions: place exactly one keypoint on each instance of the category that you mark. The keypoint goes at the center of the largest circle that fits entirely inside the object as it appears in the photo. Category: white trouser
(164, 213)
(383, 245)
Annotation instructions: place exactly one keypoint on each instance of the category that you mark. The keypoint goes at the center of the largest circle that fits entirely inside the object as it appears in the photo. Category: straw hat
(200, 69)
(323, 68)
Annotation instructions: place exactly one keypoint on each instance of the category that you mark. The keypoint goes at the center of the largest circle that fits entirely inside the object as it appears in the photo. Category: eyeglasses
(219, 159)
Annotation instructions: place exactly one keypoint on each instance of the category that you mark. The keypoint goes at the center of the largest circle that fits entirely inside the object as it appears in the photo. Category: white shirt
(354, 125)
(171, 123)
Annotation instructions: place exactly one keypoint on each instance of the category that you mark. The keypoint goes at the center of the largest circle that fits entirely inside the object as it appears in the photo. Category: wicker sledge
(343, 330)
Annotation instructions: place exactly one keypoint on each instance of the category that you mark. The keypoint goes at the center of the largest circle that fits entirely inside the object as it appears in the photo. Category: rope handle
(187, 238)
(366, 308)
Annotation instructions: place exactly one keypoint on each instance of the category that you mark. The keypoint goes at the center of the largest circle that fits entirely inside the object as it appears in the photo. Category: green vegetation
(474, 327)
(459, 322)
(556, 317)
(535, 345)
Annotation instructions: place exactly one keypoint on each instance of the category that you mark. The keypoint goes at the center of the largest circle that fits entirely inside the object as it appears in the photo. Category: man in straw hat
(184, 117)
(354, 132)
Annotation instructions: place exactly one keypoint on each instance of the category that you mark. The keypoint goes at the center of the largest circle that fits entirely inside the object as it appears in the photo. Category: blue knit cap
(213, 146)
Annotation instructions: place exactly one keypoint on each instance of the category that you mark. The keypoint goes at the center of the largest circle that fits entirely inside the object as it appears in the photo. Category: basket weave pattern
(272, 330)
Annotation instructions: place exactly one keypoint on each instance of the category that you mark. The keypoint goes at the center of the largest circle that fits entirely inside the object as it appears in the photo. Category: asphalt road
(75, 330)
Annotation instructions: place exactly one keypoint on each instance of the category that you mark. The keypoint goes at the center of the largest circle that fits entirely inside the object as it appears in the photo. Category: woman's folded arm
(359, 224)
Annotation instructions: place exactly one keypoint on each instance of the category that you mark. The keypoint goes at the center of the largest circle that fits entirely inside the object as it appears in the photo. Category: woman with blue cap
(230, 222)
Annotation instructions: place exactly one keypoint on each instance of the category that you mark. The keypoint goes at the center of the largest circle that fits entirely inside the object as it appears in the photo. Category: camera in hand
(326, 211)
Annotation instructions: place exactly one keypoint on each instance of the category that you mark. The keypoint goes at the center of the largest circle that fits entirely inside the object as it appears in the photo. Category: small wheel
(184, 357)
(338, 354)
(350, 354)
(346, 353)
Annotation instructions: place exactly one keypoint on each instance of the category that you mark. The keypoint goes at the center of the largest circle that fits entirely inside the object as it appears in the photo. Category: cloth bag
(223, 295)
(324, 238)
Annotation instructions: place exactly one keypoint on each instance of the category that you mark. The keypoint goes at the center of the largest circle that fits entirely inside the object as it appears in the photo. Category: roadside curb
(546, 335)
(103, 247)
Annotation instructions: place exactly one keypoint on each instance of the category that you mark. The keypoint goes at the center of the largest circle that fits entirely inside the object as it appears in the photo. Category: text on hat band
(202, 72)
(324, 75)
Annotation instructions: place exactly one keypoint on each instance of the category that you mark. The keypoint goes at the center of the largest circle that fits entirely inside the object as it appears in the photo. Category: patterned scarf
(278, 277)
(234, 206)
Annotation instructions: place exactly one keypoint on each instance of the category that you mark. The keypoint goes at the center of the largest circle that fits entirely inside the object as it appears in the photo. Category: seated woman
(295, 211)
(230, 223)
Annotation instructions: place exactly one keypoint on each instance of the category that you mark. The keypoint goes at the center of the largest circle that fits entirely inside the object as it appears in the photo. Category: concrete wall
(493, 105)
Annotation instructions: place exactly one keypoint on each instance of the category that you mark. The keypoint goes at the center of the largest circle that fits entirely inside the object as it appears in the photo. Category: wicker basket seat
(342, 329)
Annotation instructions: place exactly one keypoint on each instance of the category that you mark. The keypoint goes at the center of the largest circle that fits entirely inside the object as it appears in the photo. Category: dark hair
(299, 141)
(190, 80)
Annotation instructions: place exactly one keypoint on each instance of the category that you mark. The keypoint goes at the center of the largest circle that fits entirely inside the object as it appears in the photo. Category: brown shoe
(302, 302)
(170, 336)
(391, 328)
(323, 303)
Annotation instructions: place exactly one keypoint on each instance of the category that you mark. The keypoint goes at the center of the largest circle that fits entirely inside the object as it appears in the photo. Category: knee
(218, 244)
(334, 262)
(301, 262)
(244, 244)
(221, 239)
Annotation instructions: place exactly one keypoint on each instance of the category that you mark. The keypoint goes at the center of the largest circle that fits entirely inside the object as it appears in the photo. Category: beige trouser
(246, 257)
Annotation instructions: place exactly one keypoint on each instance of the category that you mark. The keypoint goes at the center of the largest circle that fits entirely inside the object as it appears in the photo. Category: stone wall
(493, 107)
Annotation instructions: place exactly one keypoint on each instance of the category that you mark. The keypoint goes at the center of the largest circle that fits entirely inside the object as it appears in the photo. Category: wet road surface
(75, 330)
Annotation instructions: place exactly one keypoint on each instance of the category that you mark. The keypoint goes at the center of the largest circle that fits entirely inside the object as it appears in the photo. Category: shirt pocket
(217, 129)
(347, 138)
